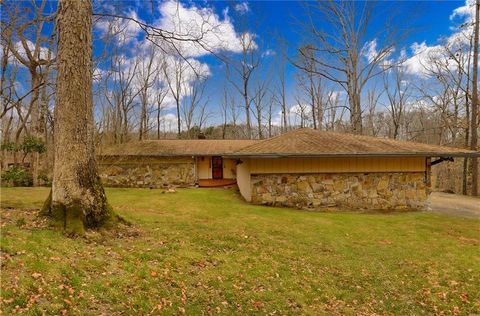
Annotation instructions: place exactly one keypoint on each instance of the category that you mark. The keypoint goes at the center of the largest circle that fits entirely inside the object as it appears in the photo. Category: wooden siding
(128, 160)
(229, 168)
(204, 165)
(337, 165)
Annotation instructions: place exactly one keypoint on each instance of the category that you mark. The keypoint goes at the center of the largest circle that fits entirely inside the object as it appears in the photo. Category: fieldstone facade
(350, 191)
(147, 172)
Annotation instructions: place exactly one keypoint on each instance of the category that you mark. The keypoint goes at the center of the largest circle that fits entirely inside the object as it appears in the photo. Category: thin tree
(244, 69)
(281, 95)
(174, 73)
(31, 55)
(398, 94)
(342, 54)
(474, 119)
(146, 76)
(259, 103)
(195, 102)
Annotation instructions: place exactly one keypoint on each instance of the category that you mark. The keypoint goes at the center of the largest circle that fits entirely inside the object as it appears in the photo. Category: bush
(17, 177)
(31, 144)
(44, 180)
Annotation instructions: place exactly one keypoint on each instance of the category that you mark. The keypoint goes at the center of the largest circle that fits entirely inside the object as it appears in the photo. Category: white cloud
(423, 55)
(268, 53)
(187, 21)
(466, 11)
(190, 70)
(370, 50)
(125, 31)
(242, 7)
(19, 87)
(214, 34)
(372, 54)
(299, 109)
(19, 47)
(169, 122)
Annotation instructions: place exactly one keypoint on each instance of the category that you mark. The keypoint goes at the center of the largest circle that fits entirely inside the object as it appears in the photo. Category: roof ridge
(261, 141)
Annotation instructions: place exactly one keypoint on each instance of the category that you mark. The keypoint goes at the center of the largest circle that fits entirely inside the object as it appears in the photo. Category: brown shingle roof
(190, 147)
(309, 142)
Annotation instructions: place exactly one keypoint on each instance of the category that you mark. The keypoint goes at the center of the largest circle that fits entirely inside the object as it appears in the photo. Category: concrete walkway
(454, 204)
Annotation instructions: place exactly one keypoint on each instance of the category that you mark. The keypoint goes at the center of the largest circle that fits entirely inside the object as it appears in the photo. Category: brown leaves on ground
(27, 219)
(178, 264)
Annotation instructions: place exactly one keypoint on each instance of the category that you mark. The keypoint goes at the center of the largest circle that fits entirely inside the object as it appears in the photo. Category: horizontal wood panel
(337, 165)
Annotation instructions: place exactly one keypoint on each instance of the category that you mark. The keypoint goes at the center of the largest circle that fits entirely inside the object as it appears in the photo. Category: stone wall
(147, 172)
(349, 191)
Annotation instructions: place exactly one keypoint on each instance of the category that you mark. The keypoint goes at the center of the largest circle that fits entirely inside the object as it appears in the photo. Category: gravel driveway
(454, 204)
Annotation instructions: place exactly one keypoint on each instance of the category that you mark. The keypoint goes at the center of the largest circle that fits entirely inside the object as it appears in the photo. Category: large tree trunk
(77, 198)
(474, 120)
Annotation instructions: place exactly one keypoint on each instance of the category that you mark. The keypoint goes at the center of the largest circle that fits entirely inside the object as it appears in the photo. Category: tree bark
(247, 111)
(355, 114)
(474, 120)
(77, 199)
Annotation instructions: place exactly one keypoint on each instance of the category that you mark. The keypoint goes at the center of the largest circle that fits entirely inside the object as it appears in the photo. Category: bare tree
(259, 101)
(233, 109)
(374, 119)
(270, 114)
(474, 119)
(224, 108)
(174, 74)
(342, 54)
(398, 93)
(121, 93)
(146, 77)
(244, 70)
(28, 50)
(162, 92)
(195, 102)
(281, 96)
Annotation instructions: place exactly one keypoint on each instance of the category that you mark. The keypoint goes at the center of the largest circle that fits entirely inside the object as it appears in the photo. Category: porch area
(210, 183)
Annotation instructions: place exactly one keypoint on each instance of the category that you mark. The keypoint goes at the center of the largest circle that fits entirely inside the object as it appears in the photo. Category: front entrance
(217, 167)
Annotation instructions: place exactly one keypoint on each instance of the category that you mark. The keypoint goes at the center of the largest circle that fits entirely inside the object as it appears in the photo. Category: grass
(204, 251)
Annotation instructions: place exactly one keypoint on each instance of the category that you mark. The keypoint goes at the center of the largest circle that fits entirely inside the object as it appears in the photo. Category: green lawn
(202, 251)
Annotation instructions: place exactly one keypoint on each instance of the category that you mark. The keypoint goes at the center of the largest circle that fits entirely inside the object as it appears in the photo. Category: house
(301, 168)
(165, 163)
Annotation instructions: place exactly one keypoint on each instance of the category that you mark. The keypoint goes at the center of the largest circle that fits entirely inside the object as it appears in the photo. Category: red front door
(217, 167)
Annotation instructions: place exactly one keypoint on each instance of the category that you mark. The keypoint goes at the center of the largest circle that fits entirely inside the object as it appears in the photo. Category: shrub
(31, 144)
(17, 177)
(44, 180)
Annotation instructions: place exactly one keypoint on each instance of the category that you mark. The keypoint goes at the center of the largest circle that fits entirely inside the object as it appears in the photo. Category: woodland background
(345, 81)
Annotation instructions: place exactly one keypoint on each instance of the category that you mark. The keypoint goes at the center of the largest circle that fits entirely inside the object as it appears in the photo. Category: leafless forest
(343, 81)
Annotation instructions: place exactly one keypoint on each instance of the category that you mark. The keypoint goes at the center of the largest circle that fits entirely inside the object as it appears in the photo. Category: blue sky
(427, 21)
(269, 21)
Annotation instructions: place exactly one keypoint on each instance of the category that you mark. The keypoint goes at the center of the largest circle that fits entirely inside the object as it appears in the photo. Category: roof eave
(163, 155)
(330, 155)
